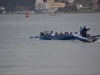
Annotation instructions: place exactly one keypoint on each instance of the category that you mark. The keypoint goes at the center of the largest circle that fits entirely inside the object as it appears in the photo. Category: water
(20, 55)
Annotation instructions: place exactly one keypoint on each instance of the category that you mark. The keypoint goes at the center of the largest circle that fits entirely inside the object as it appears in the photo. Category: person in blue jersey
(81, 30)
(84, 31)
(66, 34)
(71, 34)
(48, 33)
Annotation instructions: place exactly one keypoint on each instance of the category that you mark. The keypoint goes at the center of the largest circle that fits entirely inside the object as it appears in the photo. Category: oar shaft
(97, 35)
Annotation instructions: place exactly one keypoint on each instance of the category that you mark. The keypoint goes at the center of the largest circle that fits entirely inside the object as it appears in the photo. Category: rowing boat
(70, 37)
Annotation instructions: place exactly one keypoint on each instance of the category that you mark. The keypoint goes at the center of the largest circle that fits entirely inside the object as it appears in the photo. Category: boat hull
(80, 38)
(56, 37)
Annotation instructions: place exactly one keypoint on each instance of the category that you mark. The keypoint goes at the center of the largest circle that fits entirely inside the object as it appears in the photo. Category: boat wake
(98, 40)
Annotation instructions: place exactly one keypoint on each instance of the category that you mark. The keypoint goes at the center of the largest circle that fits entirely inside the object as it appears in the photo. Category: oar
(34, 37)
(31, 37)
(97, 35)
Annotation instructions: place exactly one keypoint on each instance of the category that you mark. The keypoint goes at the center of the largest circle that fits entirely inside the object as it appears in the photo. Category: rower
(80, 30)
(41, 33)
(71, 34)
(56, 34)
(52, 34)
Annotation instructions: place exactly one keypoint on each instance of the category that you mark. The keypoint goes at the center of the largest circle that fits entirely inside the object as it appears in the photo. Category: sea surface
(20, 55)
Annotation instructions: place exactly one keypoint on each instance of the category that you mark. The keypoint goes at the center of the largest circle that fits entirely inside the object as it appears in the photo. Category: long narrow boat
(70, 37)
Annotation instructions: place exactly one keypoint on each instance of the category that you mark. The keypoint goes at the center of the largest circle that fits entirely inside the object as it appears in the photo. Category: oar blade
(97, 35)
(36, 36)
(31, 37)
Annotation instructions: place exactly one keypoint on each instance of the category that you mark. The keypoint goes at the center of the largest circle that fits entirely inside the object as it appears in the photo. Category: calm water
(20, 55)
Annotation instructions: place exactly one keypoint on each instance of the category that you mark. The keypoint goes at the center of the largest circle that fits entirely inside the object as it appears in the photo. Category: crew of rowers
(83, 33)
(56, 33)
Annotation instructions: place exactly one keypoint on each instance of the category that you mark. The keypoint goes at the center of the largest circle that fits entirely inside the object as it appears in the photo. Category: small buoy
(27, 14)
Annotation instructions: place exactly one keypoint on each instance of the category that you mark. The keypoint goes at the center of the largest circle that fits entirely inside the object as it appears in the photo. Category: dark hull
(56, 37)
(68, 38)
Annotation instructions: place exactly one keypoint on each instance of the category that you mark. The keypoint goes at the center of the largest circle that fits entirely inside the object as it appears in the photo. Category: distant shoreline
(59, 13)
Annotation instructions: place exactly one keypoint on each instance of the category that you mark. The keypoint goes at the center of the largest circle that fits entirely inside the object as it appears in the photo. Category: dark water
(20, 55)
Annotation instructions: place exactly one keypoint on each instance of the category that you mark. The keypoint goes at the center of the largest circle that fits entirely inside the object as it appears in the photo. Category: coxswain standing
(84, 31)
